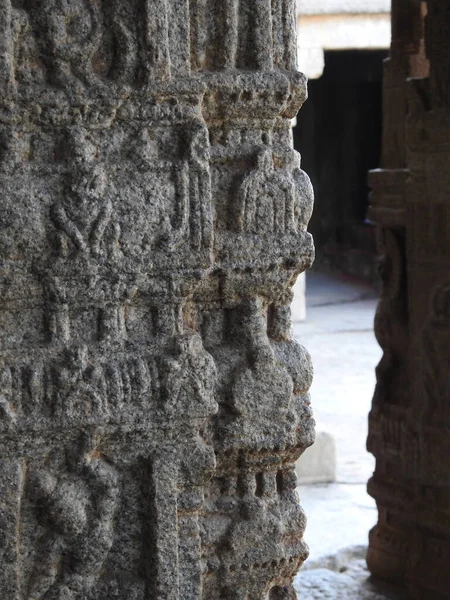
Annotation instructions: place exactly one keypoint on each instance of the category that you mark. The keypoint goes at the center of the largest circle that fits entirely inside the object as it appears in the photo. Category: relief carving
(190, 379)
(84, 389)
(187, 217)
(122, 20)
(274, 200)
(123, 235)
(262, 387)
(200, 188)
(80, 386)
(259, 32)
(85, 211)
(260, 512)
(68, 34)
(75, 508)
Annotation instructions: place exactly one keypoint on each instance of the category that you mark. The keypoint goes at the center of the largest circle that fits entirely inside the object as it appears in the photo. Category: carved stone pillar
(409, 422)
(152, 223)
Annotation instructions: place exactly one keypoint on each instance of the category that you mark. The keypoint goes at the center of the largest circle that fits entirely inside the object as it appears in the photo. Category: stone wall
(152, 222)
(409, 422)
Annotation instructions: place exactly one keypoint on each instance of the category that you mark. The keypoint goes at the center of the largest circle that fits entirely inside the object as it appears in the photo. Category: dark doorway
(339, 137)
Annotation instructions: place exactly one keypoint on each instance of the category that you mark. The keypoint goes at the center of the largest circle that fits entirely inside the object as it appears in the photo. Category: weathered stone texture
(152, 222)
(409, 421)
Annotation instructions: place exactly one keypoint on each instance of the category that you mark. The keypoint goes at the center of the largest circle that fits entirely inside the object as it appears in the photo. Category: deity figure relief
(190, 379)
(68, 34)
(75, 507)
(272, 200)
(84, 213)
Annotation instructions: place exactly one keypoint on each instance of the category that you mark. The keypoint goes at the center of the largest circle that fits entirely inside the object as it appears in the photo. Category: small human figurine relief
(190, 379)
(76, 507)
(85, 211)
(68, 34)
(201, 222)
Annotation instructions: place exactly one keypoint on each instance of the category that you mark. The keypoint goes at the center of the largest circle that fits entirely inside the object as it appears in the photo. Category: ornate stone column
(410, 416)
(152, 223)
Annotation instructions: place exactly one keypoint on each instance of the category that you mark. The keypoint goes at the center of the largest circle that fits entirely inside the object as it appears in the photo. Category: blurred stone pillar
(152, 223)
(409, 422)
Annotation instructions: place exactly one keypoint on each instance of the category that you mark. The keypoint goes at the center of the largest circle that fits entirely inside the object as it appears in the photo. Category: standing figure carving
(201, 220)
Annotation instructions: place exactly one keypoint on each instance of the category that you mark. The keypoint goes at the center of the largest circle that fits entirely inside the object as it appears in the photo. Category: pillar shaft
(408, 432)
(152, 223)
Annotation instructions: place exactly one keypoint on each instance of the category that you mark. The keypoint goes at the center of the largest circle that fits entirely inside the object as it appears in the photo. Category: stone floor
(338, 333)
(343, 576)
